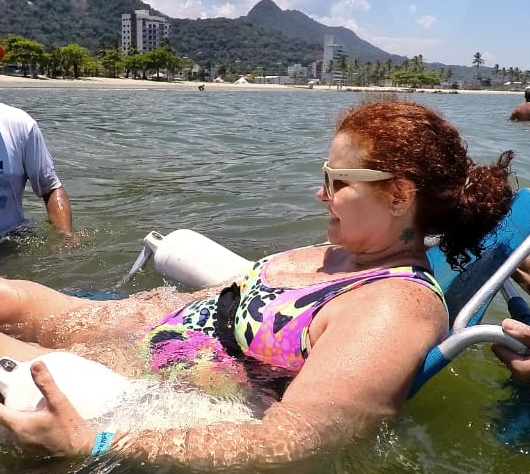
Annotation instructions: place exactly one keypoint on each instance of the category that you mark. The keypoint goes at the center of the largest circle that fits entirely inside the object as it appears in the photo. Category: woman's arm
(366, 348)
(58, 430)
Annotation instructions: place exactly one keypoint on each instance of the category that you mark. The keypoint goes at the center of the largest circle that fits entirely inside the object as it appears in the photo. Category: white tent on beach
(241, 80)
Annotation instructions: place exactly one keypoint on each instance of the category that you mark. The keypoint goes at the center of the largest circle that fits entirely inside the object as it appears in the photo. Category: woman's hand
(55, 430)
(519, 365)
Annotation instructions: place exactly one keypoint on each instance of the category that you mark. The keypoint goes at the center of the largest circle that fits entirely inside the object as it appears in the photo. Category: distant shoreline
(7, 82)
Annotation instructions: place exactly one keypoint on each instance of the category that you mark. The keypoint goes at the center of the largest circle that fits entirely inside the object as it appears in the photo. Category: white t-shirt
(23, 155)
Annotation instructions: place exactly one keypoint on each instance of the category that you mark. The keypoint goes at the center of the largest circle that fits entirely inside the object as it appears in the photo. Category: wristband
(102, 443)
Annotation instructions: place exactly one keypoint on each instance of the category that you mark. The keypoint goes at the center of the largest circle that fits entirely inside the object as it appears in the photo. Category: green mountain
(241, 44)
(54, 23)
(268, 38)
(294, 24)
(262, 39)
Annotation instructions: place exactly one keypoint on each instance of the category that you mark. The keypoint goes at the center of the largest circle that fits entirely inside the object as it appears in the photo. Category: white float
(187, 257)
(91, 387)
(183, 256)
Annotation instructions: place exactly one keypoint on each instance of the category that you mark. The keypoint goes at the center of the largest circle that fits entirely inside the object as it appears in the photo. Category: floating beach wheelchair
(469, 294)
(187, 257)
(194, 260)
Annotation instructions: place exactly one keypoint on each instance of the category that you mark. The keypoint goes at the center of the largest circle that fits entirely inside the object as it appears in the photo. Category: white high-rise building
(332, 56)
(142, 31)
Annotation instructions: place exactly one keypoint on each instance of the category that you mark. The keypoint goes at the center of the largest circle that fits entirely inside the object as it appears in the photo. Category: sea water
(242, 167)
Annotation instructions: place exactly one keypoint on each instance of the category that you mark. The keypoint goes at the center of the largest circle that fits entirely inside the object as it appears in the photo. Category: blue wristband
(102, 443)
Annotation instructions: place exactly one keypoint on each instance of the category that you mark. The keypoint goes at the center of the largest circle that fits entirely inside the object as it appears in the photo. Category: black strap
(227, 305)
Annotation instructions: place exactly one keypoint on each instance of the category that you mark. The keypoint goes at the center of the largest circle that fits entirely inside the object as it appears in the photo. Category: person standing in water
(522, 111)
(24, 157)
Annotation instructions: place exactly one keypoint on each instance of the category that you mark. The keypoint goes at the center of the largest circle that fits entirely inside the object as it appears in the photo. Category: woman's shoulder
(395, 301)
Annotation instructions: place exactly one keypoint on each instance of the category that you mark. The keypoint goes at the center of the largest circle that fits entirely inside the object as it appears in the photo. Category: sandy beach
(122, 83)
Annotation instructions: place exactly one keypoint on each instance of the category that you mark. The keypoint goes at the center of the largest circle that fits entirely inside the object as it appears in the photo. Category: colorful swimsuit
(270, 324)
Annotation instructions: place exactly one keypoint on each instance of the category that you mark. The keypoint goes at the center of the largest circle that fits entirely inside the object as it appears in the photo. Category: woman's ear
(402, 195)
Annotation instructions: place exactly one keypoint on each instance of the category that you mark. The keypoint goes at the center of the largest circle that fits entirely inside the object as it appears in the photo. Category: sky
(449, 31)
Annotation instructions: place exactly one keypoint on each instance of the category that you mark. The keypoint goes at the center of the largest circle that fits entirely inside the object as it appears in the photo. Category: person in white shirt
(24, 156)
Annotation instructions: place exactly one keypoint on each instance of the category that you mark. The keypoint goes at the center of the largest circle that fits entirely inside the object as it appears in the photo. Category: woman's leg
(25, 306)
(19, 350)
(36, 313)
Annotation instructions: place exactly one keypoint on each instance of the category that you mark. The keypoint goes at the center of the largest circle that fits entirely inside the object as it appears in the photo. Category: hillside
(90, 23)
(266, 36)
(294, 24)
(240, 43)
(266, 39)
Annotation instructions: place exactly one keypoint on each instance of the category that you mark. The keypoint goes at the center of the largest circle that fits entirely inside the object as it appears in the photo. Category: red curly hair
(458, 200)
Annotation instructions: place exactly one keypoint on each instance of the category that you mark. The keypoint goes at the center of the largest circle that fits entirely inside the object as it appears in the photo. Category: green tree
(343, 66)
(478, 61)
(388, 67)
(429, 78)
(366, 73)
(112, 61)
(448, 75)
(495, 71)
(417, 63)
(403, 77)
(378, 73)
(222, 70)
(350, 70)
(174, 64)
(91, 67)
(24, 51)
(53, 63)
(132, 62)
(74, 56)
(159, 58)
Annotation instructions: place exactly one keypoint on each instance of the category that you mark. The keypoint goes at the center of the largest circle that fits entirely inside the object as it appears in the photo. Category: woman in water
(351, 319)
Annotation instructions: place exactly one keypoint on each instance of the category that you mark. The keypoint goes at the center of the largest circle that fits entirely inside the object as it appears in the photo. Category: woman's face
(360, 218)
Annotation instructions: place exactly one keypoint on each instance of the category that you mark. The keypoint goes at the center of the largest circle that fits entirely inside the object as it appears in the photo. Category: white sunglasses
(350, 174)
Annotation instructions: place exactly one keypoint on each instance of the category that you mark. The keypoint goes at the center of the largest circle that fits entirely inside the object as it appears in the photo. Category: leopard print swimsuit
(271, 323)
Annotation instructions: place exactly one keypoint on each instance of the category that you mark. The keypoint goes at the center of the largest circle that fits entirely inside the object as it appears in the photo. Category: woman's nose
(322, 195)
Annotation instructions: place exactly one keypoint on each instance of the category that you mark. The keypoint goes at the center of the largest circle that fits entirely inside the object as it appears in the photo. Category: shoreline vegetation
(122, 83)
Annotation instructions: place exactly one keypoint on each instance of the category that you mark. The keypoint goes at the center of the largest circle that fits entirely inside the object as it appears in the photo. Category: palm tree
(378, 72)
(478, 60)
(417, 63)
(389, 65)
(525, 77)
(343, 66)
(356, 69)
(350, 69)
(495, 71)
(448, 75)
(517, 73)
(366, 73)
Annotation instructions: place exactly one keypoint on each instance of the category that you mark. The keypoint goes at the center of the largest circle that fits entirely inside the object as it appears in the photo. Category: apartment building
(332, 56)
(142, 31)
